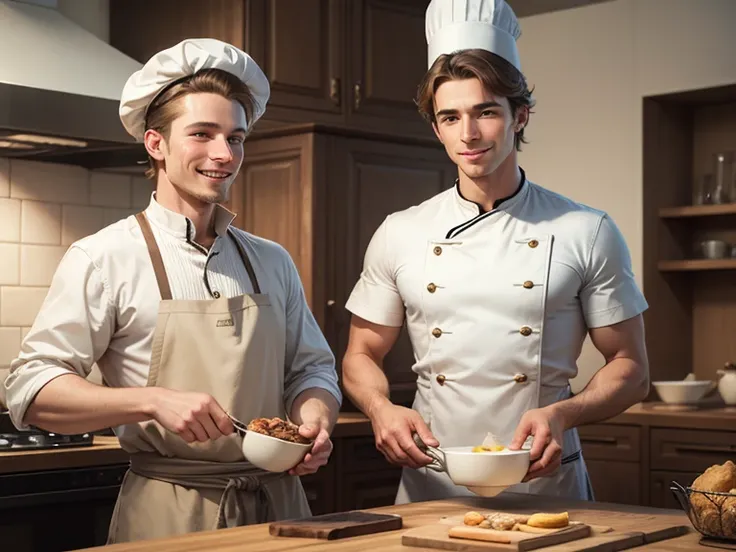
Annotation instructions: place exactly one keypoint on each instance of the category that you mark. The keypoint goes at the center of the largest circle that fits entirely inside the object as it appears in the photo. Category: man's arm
(622, 382)
(366, 385)
(47, 388)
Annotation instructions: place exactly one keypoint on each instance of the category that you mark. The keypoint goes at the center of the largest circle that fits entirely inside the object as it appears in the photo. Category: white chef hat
(185, 59)
(453, 25)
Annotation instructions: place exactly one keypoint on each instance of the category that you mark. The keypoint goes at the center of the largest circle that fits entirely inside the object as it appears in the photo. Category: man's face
(204, 151)
(476, 127)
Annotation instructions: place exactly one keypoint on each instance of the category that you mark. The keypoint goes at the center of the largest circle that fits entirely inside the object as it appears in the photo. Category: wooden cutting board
(639, 529)
(336, 526)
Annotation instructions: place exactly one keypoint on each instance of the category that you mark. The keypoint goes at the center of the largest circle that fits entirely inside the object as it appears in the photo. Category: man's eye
(237, 140)
(199, 135)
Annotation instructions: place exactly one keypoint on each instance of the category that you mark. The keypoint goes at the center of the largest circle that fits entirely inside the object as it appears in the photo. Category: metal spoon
(239, 426)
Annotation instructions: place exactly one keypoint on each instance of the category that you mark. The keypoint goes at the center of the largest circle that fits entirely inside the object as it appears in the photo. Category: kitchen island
(257, 538)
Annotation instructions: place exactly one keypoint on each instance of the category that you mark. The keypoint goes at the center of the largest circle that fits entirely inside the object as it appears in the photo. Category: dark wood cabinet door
(140, 28)
(320, 489)
(299, 45)
(378, 178)
(660, 495)
(365, 479)
(615, 481)
(273, 198)
(388, 53)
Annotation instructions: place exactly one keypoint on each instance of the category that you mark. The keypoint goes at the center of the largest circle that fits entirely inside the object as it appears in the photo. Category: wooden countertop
(656, 414)
(104, 451)
(257, 538)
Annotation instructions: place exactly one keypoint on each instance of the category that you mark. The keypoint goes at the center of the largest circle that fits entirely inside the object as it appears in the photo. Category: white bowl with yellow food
(486, 471)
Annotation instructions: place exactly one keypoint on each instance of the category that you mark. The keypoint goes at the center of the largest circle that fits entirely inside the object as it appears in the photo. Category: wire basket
(712, 514)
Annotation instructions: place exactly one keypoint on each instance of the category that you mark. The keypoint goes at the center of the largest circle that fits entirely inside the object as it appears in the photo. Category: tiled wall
(43, 209)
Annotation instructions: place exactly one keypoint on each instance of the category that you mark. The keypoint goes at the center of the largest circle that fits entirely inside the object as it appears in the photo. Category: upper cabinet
(351, 63)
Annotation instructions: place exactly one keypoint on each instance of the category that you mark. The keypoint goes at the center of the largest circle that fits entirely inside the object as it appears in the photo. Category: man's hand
(192, 416)
(394, 427)
(546, 452)
(320, 452)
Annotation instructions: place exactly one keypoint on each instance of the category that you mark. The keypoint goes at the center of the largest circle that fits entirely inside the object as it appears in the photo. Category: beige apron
(231, 349)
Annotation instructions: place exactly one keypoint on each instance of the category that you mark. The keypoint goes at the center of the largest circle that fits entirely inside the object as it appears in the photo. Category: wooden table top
(257, 538)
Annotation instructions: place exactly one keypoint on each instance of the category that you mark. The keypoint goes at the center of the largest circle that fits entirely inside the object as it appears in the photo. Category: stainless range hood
(59, 90)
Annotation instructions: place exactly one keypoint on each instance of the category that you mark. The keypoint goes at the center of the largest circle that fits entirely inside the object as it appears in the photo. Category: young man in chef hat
(189, 319)
(498, 281)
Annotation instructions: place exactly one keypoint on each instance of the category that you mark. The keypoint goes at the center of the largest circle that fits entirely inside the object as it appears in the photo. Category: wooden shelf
(690, 265)
(689, 211)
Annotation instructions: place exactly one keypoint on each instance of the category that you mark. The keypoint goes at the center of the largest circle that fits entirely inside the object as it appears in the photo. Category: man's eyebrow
(214, 126)
(477, 107)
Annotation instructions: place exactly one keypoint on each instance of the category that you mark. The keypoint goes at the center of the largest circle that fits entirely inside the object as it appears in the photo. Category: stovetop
(39, 440)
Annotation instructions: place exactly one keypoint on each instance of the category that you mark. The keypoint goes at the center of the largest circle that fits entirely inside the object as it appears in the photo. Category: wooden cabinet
(352, 63)
(322, 194)
(613, 456)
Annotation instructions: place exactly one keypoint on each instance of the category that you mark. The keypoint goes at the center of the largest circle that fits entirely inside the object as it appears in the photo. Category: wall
(43, 209)
(591, 67)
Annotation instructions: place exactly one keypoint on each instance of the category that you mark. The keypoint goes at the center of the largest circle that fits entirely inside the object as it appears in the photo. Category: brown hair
(495, 73)
(166, 106)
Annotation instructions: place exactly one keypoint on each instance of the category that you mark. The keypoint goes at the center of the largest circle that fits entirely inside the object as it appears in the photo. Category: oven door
(58, 510)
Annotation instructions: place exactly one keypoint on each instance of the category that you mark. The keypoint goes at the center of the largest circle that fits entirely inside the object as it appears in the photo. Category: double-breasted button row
(431, 288)
(532, 243)
(436, 332)
(525, 331)
(520, 378)
(441, 379)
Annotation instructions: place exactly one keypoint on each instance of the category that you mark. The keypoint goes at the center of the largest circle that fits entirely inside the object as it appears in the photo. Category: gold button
(533, 243)
(528, 284)
(520, 378)
(436, 332)
(441, 379)
(437, 250)
(525, 330)
(431, 288)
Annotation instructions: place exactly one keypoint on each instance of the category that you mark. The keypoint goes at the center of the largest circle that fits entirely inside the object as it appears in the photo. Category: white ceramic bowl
(485, 473)
(682, 392)
(272, 454)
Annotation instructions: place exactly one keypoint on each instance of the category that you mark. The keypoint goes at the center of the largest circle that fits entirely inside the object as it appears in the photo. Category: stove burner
(38, 440)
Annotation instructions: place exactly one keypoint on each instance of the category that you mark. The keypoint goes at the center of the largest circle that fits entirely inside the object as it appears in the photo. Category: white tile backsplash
(20, 305)
(10, 265)
(9, 219)
(4, 177)
(78, 222)
(49, 182)
(110, 190)
(141, 196)
(40, 223)
(43, 208)
(38, 263)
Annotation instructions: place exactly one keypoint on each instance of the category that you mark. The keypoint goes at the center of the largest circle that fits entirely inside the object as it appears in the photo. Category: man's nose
(469, 130)
(220, 150)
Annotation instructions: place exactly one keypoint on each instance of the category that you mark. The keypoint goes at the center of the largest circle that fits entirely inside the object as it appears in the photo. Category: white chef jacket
(497, 306)
(103, 303)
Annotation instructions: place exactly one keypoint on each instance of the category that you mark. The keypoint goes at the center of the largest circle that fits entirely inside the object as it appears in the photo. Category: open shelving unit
(691, 322)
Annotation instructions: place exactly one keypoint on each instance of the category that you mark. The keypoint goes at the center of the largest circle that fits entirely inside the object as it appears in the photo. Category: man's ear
(154, 142)
(522, 117)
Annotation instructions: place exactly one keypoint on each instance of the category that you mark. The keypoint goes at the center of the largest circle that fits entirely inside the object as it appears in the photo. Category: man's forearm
(70, 404)
(618, 385)
(315, 406)
(364, 382)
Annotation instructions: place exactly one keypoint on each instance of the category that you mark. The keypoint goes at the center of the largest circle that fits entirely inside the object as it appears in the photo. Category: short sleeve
(610, 293)
(375, 297)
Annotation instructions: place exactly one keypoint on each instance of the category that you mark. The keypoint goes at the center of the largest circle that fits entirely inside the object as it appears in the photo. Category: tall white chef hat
(178, 62)
(453, 25)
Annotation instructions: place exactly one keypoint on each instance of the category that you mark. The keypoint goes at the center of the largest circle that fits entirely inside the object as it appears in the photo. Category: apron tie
(245, 498)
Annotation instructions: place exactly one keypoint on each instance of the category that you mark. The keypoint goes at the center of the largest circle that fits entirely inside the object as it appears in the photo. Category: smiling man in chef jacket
(189, 319)
(498, 280)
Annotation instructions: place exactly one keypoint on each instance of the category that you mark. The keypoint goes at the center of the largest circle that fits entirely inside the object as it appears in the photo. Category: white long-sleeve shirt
(103, 303)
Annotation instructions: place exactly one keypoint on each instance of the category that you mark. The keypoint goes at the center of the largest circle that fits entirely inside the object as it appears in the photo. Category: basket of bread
(710, 501)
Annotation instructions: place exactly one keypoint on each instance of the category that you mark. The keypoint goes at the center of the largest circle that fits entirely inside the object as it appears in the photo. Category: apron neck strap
(246, 262)
(158, 263)
(156, 260)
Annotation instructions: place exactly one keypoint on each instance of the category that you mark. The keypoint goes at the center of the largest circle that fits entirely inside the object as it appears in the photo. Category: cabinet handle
(599, 440)
(711, 449)
(330, 302)
(357, 95)
(335, 90)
